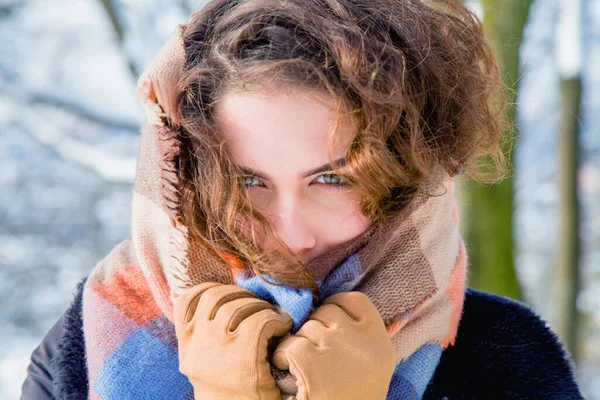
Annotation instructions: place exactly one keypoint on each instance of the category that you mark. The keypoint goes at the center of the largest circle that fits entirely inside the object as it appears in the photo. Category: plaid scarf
(412, 268)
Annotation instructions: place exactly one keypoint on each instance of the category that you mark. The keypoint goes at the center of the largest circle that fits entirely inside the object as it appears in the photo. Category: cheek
(339, 221)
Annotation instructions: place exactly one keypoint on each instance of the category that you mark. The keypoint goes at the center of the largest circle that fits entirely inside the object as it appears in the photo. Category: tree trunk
(566, 279)
(488, 221)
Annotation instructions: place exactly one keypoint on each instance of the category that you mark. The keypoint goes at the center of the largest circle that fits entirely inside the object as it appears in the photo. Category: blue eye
(250, 180)
(333, 182)
(332, 179)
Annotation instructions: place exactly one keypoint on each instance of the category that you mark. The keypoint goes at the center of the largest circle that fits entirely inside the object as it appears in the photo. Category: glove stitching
(226, 299)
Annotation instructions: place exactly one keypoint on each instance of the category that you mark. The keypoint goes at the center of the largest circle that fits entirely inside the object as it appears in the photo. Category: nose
(293, 226)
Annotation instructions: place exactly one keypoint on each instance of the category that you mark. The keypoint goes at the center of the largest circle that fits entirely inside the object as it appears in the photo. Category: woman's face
(280, 142)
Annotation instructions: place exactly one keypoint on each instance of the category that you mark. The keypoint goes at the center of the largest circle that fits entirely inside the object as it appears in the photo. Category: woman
(295, 232)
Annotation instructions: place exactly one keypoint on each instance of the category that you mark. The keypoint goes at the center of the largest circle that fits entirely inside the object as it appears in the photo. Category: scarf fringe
(170, 150)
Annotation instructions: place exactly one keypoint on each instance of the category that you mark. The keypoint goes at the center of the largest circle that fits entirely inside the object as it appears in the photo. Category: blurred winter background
(69, 132)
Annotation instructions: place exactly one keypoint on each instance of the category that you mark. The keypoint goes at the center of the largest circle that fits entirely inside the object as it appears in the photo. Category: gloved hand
(342, 352)
(223, 333)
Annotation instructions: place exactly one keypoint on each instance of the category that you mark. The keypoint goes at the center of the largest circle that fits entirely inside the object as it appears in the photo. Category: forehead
(281, 132)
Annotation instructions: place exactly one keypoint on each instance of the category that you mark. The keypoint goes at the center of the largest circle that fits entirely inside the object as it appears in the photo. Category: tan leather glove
(342, 352)
(223, 333)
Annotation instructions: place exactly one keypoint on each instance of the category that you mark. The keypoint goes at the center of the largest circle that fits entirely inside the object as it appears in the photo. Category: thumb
(284, 350)
(280, 359)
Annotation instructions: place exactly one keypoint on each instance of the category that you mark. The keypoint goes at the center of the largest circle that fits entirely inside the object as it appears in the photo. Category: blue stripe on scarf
(344, 278)
(142, 368)
(411, 377)
(297, 303)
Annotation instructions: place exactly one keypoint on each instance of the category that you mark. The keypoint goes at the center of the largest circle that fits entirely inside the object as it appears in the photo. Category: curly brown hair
(417, 77)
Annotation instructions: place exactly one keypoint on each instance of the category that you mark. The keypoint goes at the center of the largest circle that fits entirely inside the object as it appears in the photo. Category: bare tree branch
(32, 97)
(83, 112)
(111, 11)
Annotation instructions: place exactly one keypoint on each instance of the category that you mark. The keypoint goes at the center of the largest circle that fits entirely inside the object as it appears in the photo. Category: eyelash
(343, 184)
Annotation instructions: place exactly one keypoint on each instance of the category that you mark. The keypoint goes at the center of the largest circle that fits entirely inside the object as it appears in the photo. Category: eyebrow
(340, 162)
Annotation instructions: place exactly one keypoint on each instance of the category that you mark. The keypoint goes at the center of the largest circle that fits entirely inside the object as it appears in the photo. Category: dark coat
(503, 351)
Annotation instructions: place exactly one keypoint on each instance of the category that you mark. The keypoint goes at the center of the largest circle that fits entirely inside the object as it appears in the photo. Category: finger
(356, 305)
(317, 331)
(277, 324)
(215, 297)
(287, 349)
(185, 305)
(264, 325)
(231, 314)
(260, 328)
(332, 316)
